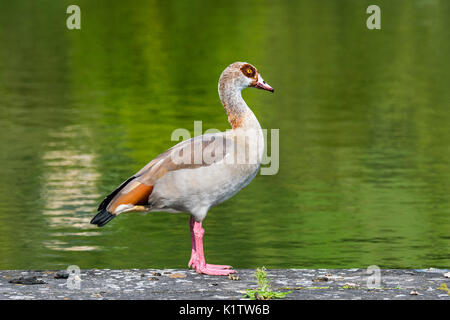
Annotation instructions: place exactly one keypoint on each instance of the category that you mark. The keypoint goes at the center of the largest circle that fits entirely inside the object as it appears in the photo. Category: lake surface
(363, 118)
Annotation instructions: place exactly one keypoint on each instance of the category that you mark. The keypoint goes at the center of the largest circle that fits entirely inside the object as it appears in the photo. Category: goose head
(241, 75)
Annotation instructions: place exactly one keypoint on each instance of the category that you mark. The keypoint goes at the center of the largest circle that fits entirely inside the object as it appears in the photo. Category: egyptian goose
(201, 172)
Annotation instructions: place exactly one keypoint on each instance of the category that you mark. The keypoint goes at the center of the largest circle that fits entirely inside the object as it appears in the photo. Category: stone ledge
(187, 285)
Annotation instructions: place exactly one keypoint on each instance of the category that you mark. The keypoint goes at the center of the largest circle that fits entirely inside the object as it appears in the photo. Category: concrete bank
(186, 284)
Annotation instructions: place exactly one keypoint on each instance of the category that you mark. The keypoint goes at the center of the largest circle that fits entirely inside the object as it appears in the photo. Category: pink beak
(261, 84)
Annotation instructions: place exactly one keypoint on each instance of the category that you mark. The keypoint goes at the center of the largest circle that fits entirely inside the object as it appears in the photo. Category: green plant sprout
(263, 292)
(444, 287)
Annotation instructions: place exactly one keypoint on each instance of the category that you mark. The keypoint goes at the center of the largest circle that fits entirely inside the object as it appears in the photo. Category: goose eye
(248, 71)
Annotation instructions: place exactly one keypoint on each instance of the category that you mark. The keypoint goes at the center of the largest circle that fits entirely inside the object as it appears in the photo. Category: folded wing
(189, 154)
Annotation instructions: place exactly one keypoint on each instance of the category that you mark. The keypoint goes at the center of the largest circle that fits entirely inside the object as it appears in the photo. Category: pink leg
(192, 261)
(197, 260)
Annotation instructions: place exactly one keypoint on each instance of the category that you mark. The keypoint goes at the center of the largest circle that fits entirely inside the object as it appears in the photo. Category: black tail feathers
(102, 218)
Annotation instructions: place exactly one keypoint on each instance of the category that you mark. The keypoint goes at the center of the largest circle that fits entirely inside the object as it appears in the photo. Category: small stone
(61, 275)
(414, 293)
(27, 280)
(258, 296)
(320, 279)
(233, 277)
(447, 274)
(177, 276)
(156, 274)
(153, 279)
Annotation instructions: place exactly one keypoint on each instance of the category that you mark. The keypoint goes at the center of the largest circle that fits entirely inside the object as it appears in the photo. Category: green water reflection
(363, 118)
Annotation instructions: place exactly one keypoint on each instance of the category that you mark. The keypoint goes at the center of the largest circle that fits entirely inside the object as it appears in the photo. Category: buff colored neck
(239, 114)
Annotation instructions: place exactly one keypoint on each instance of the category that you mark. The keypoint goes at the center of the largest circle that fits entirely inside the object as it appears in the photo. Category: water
(363, 118)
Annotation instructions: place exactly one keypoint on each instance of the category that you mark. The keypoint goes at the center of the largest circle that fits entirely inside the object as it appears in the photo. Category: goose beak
(261, 84)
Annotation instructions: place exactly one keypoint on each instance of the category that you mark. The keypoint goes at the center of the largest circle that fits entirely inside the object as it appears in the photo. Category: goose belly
(197, 189)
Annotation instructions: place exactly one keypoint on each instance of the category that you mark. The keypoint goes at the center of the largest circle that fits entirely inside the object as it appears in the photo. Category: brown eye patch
(248, 71)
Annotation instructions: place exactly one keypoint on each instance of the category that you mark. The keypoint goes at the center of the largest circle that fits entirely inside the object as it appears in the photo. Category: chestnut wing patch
(110, 196)
(135, 193)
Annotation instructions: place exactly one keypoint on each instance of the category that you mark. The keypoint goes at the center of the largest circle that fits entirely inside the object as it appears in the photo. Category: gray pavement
(186, 284)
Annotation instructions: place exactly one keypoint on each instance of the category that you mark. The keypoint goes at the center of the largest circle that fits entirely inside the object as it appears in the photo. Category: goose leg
(192, 261)
(199, 262)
